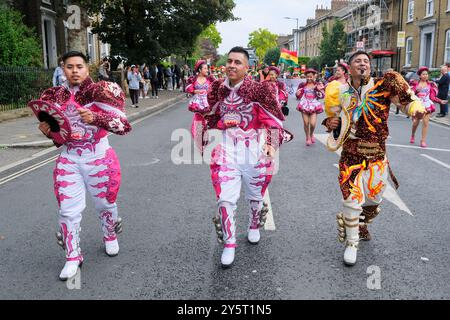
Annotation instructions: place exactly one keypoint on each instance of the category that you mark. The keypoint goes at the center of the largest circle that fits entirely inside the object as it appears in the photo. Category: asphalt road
(168, 249)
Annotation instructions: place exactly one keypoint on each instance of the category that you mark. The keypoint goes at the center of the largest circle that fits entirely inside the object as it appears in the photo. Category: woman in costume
(274, 73)
(426, 91)
(87, 161)
(308, 93)
(198, 86)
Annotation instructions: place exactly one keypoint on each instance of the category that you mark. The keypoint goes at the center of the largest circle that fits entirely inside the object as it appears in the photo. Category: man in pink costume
(250, 119)
(87, 161)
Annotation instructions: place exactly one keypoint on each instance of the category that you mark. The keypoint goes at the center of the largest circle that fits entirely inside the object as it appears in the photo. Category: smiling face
(75, 70)
(273, 76)
(339, 72)
(204, 70)
(310, 77)
(424, 75)
(236, 67)
(360, 66)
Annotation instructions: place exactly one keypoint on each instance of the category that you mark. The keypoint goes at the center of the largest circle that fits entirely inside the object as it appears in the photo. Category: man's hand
(86, 115)
(333, 123)
(45, 128)
(269, 151)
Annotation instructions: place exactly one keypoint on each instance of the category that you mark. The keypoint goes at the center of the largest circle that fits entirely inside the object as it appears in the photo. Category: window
(448, 5)
(91, 46)
(411, 10)
(447, 47)
(408, 51)
(430, 8)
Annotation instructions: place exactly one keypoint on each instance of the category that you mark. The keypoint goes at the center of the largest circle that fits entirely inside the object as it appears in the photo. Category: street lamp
(296, 31)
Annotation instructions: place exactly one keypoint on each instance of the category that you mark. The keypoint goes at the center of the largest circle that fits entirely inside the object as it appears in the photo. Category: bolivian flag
(288, 57)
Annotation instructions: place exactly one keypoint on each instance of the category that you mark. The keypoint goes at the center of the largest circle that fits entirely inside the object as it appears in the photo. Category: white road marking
(415, 147)
(270, 222)
(436, 161)
(389, 194)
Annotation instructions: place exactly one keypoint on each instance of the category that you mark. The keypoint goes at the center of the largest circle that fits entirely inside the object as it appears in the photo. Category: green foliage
(152, 30)
(19, 46)
(222, 61)
(333, 45)
(314, 63)
(262, 40)
(303, 60)
(272, 56)
(212, 34)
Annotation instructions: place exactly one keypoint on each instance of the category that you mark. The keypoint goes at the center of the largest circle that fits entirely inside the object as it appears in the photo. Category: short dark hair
(240, 50)
(357, 53)
(343, 67)
(71, 54)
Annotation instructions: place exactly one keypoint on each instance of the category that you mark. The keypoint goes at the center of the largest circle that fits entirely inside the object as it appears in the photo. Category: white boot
(253, 236)
(351, 250)
(227, 257)
(70, 270)
(112, 247)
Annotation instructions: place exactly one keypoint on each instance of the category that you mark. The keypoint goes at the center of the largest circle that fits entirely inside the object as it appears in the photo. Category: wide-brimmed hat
(421, 69)
(273, 68)
(310, 70)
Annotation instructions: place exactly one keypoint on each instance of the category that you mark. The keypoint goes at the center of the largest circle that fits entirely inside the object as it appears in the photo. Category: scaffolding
(370, 23)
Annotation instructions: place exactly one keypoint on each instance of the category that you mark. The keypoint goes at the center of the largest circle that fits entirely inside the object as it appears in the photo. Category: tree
(212, 34)
(207, 43)
(262, 40)
(222, 60)
(303, 60)
(151, 30)
(19, 45)
(333, 46)
(272, 56)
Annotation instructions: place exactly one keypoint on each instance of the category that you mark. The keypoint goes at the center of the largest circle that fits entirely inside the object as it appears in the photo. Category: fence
(18, 85)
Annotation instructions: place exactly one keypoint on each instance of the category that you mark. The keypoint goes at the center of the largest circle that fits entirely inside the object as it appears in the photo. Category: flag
(288, 57)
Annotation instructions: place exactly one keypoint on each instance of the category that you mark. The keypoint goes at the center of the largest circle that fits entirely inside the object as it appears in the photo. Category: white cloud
(267, 14)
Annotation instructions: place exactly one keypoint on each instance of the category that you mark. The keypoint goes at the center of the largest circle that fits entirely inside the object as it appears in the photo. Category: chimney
(321, 12)
(339, 4)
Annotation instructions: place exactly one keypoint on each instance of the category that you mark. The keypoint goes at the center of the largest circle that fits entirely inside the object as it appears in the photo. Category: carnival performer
(198, 85)
(86, 161)
(274, 73)
(250, 120)
(361, 109)
(427, 92)
(340, 75)
(308, 93)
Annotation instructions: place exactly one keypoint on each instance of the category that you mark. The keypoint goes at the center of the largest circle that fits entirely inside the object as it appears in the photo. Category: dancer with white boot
(87, 161)
(249, 117)
(357, 119)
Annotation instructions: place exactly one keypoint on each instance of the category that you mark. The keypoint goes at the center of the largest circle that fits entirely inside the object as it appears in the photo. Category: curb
(131, 118)
(443, 122)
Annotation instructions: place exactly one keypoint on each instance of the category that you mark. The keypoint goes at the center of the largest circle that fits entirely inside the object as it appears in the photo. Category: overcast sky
(267, 14)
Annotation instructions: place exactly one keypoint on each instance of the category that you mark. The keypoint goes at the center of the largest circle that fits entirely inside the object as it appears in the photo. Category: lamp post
(295, 36)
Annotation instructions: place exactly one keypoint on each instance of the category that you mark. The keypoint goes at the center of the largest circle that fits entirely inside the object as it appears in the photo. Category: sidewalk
(23, 132)
(444, 120)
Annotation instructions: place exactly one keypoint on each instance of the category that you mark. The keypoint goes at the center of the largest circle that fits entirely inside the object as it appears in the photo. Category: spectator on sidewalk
(167, 78)
(147, 81)
(58, 76)
(185, 74)
(154, 80)
(176, 73)
(443, 85)
(134, 78)
(104, 70)
(160, 76)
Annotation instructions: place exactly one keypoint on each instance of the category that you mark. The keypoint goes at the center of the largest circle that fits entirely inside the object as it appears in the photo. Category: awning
(382, 53)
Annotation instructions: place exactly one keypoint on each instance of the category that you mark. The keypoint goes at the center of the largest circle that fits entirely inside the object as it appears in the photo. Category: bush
(19, 46)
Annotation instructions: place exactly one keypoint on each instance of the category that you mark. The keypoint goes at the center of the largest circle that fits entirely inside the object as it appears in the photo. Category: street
(168, 249)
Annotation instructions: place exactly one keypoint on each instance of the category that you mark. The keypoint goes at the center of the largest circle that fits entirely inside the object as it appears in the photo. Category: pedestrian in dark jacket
(443, 85)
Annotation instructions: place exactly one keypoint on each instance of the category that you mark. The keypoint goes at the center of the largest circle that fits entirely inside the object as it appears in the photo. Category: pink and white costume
(249, 116)
(199, 101)
(309, 99)
(427, 94)
(283, 96)
(87, 161)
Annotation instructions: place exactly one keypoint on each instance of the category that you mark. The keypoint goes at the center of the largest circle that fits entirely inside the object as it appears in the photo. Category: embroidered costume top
(282, 93)
(248, 105)
(368, 111)
(105, 100)
(199, 102)
(309, 98)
